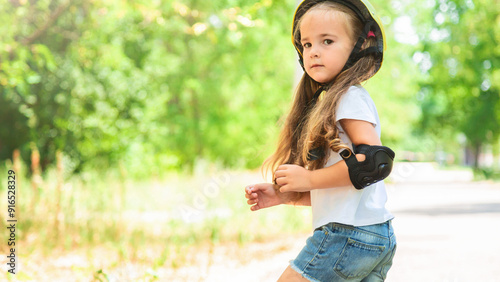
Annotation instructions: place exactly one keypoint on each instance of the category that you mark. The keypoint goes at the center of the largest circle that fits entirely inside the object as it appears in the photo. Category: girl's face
(326, 43)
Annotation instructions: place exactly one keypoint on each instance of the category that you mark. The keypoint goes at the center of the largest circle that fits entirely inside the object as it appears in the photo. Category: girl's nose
(314, 52)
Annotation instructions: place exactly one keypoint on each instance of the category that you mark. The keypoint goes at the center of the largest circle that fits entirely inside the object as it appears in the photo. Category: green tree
(33, 34)
(460, 62)
(157, 84)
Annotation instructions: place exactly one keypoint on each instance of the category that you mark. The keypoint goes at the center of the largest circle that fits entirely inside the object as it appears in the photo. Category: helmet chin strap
(319, 152)
(318, 92)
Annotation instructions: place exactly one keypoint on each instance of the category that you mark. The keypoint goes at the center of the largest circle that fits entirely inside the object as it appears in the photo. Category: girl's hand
(262, 195)
(293, 178)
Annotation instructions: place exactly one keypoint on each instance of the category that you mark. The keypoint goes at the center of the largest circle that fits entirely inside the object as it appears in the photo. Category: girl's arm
(299, 179)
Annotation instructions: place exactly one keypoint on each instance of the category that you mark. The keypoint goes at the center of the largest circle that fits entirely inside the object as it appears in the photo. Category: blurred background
(133, 126)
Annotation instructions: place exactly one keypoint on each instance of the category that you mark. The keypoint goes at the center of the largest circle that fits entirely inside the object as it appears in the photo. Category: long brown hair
(309, 126)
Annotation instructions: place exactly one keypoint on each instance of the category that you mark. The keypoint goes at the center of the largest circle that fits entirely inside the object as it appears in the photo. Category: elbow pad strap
(376, 167)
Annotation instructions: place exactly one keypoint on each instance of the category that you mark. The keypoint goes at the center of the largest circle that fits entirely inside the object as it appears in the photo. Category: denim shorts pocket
(358, 259)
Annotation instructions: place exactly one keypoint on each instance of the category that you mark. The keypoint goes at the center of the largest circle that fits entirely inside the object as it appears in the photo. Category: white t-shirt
(347, 205)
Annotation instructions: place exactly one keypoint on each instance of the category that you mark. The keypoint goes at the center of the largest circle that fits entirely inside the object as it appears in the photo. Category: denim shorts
(338, 252)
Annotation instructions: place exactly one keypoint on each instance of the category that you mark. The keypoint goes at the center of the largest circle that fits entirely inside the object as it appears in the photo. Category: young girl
(329, 154)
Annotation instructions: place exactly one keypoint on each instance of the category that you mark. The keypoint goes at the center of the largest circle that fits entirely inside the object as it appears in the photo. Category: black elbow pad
(376, 167)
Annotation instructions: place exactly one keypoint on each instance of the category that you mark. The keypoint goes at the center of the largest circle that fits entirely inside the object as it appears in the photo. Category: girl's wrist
(282, 196)
(287, 198)
(311, 179)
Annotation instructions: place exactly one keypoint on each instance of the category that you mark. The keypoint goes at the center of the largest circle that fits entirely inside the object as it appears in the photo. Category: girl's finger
(251, 196)
(279, 173)
(252, 202)
(283, 167)
(284, 188)
(281, 181)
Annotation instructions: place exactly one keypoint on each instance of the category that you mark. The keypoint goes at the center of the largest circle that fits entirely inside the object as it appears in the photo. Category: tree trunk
(476, 149)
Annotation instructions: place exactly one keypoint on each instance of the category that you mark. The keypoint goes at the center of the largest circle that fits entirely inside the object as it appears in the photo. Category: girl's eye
(327, 41)
(306, 45)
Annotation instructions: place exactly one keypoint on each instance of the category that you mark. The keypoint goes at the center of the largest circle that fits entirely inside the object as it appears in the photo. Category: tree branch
(52, 19)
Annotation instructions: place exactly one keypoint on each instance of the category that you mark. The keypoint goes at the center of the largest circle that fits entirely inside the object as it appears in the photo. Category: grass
(112, 220)
(487, 173)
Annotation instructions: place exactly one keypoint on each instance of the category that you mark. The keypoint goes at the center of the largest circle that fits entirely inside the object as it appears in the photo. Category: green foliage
(154, 85)
(459, 60)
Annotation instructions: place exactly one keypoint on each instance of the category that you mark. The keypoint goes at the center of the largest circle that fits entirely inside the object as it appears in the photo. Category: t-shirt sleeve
(356, 104)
